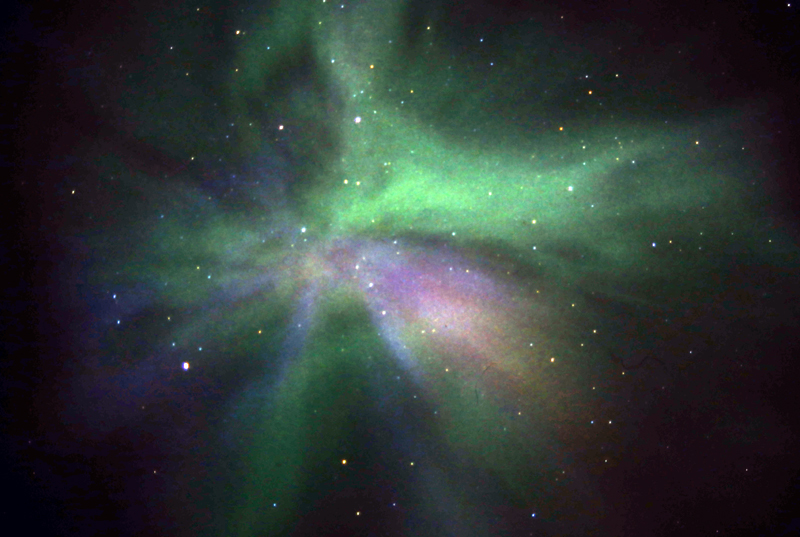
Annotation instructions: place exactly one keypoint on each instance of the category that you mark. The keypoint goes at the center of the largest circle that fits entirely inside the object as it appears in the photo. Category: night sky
(400, 268)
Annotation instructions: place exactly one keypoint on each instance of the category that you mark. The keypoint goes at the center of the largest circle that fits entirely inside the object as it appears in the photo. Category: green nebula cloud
(371, 267)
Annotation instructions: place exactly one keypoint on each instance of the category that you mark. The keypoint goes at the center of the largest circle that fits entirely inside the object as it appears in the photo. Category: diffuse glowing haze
(366, 269)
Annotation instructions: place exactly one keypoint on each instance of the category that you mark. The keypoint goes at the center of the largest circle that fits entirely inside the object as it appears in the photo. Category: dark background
(758, 41)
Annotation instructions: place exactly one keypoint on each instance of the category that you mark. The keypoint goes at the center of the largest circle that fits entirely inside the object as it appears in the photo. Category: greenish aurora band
(499, 209)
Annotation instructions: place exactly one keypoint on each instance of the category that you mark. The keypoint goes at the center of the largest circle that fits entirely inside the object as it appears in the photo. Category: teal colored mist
(414, 269)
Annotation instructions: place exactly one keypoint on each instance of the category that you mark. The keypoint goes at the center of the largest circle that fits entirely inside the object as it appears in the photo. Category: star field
(404, 268)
